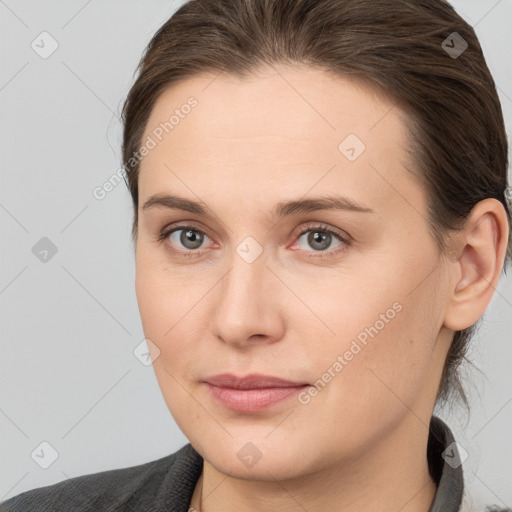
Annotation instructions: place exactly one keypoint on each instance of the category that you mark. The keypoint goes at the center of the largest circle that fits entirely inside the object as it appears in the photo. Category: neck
(392, 475)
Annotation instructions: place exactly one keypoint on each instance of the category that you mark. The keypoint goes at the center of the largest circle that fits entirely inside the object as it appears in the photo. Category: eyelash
(322, 228)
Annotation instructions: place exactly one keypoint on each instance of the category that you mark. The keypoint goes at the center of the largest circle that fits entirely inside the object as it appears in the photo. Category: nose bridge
(245, 283)
(248, 264)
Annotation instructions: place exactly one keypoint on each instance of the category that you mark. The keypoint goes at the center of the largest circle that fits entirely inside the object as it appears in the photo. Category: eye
(187, 237)
(188, 240)
(321, 237)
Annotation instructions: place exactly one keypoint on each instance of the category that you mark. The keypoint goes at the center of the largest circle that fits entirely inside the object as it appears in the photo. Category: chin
(257, 457)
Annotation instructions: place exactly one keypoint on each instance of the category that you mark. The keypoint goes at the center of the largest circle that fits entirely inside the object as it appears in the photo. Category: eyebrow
(281, 209)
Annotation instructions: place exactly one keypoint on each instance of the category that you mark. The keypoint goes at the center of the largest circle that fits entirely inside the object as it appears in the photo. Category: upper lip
(252, 381)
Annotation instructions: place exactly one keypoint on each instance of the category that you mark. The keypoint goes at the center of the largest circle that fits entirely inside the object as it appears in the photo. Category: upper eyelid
(321, 226)
(183, 225)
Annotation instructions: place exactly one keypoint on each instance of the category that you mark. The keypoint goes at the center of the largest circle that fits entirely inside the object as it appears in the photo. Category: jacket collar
(445, 466)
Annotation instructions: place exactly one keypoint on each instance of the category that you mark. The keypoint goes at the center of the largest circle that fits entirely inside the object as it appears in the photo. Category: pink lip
(252, 393)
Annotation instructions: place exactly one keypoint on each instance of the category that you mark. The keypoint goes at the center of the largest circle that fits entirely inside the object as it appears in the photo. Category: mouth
(252, 393)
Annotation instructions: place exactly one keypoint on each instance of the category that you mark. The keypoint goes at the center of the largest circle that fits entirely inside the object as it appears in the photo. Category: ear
(476, 269)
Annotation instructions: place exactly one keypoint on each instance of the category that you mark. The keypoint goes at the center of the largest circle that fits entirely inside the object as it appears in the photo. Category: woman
(320, 221)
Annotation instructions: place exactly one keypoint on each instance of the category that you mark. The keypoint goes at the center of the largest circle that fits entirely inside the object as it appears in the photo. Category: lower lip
(252, 400)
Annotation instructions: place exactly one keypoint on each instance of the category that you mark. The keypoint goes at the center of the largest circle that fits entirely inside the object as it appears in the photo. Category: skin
(248, 145)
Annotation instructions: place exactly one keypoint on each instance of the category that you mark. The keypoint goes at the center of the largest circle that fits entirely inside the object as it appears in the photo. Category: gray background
(69, 325)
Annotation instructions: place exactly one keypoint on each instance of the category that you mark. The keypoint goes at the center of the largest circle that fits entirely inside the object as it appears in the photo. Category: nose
(248, 304)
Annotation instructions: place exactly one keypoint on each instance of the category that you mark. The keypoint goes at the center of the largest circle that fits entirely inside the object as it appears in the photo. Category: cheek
(151, 302)
(389, 361)
(163, 310)
(380, 352)
(169, 309)
(161, 297)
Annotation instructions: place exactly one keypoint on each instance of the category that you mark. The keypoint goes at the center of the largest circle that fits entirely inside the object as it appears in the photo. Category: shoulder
(469, 504)
(452, 493)
(140, 487)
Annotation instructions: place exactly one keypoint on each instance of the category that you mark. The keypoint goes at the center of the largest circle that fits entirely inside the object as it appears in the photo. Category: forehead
(299, 101)
(286, 125)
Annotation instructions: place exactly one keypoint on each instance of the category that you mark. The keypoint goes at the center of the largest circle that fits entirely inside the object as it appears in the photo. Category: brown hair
(400, 46)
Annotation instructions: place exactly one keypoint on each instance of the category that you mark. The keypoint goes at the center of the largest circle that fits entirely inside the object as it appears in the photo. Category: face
(281, 276)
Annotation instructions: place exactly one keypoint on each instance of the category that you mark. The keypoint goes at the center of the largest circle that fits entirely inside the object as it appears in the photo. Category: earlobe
(478, 268)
